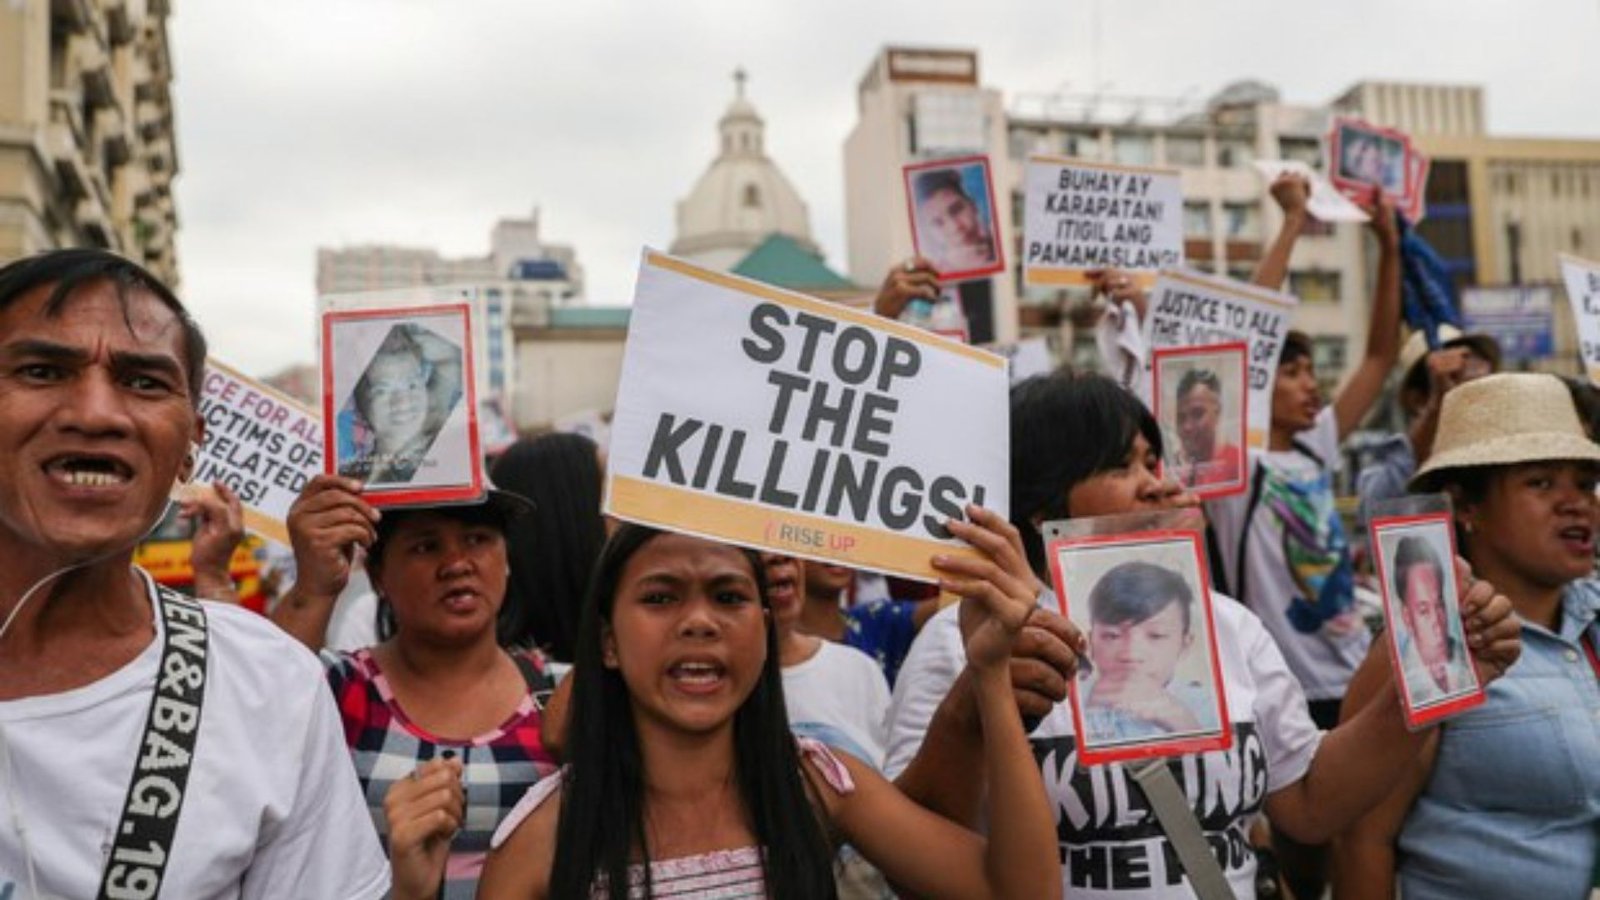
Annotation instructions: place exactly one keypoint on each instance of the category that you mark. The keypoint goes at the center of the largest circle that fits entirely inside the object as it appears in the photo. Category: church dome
(742, 198)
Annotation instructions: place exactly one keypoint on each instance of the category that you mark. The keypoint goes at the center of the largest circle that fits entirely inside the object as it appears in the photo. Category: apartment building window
(1234, 152)
(1242, 221)
(1081, 144)
(1306, 150)
(1240, 272)
(1133, 149)
(1328, 354)
(1315, 285)
(1186, 150)
(947, 122)
(1197, 219)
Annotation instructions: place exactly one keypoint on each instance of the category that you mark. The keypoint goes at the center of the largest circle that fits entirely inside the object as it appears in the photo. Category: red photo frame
(1236, 481)
(968, 170)
(1361, 188)
(426, 352)
(1422, 711)
(1091, 749)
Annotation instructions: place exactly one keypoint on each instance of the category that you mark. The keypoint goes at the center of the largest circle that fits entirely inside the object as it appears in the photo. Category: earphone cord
(5, 747)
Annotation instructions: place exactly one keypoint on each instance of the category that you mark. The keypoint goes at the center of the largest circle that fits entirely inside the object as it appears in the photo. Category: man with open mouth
(150, 745)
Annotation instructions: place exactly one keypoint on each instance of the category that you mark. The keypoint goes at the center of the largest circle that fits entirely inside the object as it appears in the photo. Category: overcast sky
(307, 123)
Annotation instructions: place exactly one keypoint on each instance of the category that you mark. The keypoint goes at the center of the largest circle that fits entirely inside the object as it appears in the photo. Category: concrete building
(516, 252)
(1229, 218)
(87, 148)
(916, 104)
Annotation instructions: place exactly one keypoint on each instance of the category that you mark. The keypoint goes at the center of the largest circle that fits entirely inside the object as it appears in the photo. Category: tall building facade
(916, 104)
(87, 148)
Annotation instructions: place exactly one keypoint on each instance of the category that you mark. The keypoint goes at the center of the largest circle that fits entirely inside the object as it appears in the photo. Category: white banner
(775, 420)
(1189, 309)
(259, 442)
(1080, 216)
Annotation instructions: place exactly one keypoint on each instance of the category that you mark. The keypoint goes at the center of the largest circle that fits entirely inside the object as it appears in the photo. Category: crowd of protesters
(516, 697)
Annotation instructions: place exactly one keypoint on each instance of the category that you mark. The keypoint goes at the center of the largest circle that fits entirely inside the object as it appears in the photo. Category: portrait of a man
(953, 219)
(1428, 631)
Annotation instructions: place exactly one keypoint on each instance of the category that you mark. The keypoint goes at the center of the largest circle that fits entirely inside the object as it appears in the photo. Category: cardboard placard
(1415, 555)
(400, 405)
(1151, 682)
(260, 442)
(954, 221)
(1583, 291)
(771, 419)
(1364, 159)
(1202, 406)
(1190, 309)
(1080, 216)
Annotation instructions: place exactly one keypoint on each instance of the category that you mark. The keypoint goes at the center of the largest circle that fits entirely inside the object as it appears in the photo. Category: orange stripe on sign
(824, 308)
(780, 531)
(1052, 276)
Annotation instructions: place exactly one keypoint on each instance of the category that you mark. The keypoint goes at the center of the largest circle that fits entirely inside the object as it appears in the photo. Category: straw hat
(1500, 420)
(1415, 350)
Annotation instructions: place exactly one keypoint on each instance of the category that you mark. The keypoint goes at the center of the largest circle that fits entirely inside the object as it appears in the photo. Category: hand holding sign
(998, 590)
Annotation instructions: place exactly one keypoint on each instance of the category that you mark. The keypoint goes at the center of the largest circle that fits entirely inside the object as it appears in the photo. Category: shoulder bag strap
(540, 684)
(143, 839)
(1178, 821)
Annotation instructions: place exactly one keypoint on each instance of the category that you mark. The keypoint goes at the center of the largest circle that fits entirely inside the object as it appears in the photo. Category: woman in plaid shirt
(439, 773)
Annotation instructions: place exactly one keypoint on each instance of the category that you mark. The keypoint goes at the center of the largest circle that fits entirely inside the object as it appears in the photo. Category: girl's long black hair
(601, 828)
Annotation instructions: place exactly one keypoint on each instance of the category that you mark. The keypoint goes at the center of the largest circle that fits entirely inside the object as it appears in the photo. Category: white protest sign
(1325, 202)
(1189, 309)
(261, 443)
(1080, 216)
(1583, 291)
(761, 417)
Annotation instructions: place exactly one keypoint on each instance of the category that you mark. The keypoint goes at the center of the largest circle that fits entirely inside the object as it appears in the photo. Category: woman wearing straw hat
(1505, 799)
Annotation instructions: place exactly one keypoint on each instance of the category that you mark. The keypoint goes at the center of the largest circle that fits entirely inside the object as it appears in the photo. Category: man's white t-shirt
(272, 808)
(840, 697)
(1298, 575)
(1112, 845)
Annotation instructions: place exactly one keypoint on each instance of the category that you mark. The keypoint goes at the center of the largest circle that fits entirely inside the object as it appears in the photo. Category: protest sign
(1200, 402)
(1150, 683)
(1583, 291)
(761, 417)
(1325, 204)
(954, 222)
(1413, 541)
(262, 444)
(1080, 216)
(1189, 309)
(400, 404)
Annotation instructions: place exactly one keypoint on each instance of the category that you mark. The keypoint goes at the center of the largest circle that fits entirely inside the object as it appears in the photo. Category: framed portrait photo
(954, 222)
(1150, 684)
(1364, 158)
(1201, 403)
(1415, 557)
(399, 404)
